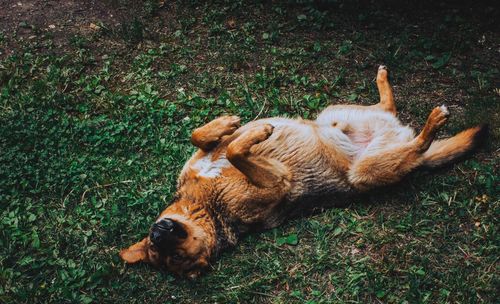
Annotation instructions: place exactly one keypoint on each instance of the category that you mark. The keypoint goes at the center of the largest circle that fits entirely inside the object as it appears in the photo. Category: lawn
(98, 99)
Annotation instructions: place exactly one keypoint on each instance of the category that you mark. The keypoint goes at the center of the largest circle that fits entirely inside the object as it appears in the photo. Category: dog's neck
(204, 198)
(209, 215)
(227, 232)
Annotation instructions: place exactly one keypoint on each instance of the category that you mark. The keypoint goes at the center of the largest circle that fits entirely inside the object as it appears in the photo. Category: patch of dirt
(26, 20)
(33, 20)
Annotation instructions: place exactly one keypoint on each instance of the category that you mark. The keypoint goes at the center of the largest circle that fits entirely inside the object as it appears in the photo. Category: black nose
(167, 234)
(166, 225)
(161, 231)
(155, 237)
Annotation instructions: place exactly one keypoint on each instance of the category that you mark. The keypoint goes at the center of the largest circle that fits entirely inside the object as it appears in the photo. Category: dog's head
(180, 243)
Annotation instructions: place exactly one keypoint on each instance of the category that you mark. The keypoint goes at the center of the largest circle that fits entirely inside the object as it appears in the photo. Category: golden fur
(253, 177)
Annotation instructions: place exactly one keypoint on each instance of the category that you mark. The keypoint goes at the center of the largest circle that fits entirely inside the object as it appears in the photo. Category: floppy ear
(136, 253)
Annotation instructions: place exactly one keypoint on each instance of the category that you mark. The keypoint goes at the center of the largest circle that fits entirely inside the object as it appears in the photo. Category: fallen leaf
(94, 26)
(231, 23)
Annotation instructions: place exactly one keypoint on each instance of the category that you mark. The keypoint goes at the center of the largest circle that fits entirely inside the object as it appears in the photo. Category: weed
(133, 31)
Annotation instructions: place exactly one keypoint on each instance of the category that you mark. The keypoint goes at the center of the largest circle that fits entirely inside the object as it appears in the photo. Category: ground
(98, 99)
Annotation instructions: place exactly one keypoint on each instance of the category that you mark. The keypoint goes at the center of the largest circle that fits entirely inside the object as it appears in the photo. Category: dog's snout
(155, 236)
(165, 225)
(159, 231)
(163, 234)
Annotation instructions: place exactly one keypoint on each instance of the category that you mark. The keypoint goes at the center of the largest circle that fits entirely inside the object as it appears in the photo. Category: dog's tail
(448, 150)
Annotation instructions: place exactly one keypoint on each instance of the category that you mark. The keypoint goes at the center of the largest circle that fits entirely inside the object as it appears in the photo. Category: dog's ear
(136, 253)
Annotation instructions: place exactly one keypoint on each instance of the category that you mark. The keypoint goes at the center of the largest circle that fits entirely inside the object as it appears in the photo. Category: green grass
(93, 135)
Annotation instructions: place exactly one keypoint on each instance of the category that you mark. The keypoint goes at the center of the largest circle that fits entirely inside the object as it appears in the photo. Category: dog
(253, 177)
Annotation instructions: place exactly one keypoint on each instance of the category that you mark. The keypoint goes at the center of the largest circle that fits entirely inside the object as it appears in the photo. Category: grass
(94, 133)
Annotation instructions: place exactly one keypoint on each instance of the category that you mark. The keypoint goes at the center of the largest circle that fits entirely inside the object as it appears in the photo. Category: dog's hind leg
(209, 135)
(335, 114)
(385, 91)
(261, 171)
(389, 165)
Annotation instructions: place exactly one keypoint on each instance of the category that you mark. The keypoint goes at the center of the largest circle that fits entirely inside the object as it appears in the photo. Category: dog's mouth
(175, 263)
(166, 240)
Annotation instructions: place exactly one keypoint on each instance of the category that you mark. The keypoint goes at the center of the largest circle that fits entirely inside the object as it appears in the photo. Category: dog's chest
(209, 166)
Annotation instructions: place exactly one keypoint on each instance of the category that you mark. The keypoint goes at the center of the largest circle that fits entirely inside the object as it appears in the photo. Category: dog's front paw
(228, 124)
(262, 132)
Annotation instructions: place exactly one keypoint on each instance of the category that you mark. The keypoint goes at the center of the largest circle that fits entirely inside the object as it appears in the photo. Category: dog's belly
(357, 131)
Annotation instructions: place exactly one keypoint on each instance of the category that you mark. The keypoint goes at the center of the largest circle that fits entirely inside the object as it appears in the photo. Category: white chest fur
(206, 167)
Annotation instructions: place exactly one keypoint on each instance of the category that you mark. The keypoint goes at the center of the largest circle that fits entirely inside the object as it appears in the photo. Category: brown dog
(254, 176)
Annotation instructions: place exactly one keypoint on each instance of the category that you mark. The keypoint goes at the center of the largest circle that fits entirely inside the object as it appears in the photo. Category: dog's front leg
(263, 172)
(209, 135)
